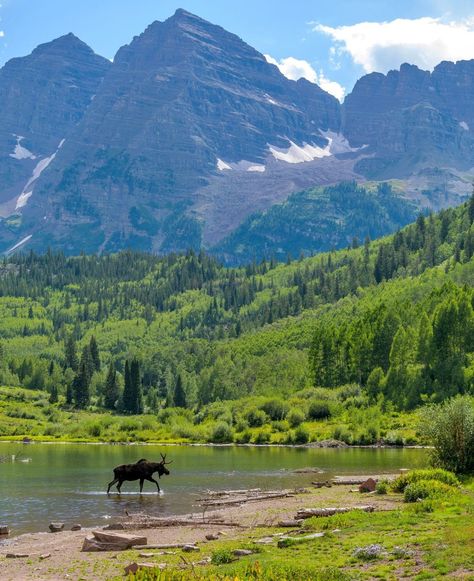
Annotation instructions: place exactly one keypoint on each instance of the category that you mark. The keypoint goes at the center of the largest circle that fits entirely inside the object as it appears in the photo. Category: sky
(330, 42)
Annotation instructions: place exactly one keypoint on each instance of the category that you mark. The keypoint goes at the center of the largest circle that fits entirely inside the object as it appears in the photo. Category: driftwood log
(320, 512)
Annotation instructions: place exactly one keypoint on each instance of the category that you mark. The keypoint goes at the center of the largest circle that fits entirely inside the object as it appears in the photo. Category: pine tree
(136, 383)
(128, 399)
(94, 351)
(70, 353)
(53, 397)
(179, 396)
(80, 386)
(111, 388)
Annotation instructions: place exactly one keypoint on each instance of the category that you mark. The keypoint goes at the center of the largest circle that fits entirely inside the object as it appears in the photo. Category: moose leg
(119, 485)
(150, 479)
(111, 484)
(141, 484)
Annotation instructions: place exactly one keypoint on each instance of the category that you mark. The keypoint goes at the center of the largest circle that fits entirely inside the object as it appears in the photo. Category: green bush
(256, 418)
(450, 428)
(319, 410)
(222, 434)
(342, 434)
(301, 435)
(244, 437)
(262, 437)
(295, 417)
(222, 557)
(381, 487)
(421, 489)
(276, 409)
(437, 474)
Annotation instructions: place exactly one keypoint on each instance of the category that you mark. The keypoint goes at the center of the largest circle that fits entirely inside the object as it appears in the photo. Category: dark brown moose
(141, 470)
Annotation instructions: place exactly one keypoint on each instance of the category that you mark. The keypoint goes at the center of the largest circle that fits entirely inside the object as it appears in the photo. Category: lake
(68, 482)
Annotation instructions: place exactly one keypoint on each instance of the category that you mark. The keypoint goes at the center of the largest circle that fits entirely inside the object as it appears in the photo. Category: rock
(134, 567)
(290, 523)
(45, 556)
(368, 486)
(146, 555)
(17, 555)
(212, 537)
(4, 530)
(114, 527)
(105, 541)
(56, 527)
(242, 552)
(190, 548)
(76, 527)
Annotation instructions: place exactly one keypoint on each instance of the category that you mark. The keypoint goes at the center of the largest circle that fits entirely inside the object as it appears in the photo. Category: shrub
(301, 435)
(450, 428)
(222, 557)
(276, 409)
(342, 434)
(295, 417)
(222, 434)
(256, 418)
(422, 489)
(319, 410)
(438, 474)
(381, 487)
(244, 437)
(262, 437)
(369, 553)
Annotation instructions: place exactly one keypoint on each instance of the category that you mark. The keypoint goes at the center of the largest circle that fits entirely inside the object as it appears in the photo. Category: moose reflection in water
(141, 470)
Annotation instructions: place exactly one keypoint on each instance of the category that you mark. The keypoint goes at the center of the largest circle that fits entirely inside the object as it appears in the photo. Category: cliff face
(411, 118)
(42, 97)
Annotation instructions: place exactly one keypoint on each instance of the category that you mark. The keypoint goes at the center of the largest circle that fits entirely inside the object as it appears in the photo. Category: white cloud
(381, 46)
(295, 69)
(2, 33)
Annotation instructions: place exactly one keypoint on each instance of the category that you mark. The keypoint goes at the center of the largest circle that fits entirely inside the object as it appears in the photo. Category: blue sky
(332, 42)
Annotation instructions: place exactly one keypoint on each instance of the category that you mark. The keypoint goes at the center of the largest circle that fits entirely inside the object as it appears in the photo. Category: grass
(414, 544)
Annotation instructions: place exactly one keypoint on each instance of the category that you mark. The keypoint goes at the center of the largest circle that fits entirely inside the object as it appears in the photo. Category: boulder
(105, 541)
(368, 486)
(212, 537)
(76, 527)
(45, 556)
(242, 552)
(4, 530)
(56, 527)
(190, 548)
(134, 567)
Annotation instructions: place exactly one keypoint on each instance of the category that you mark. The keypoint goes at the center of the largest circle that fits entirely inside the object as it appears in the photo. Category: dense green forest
(317, 220)
(253, 353)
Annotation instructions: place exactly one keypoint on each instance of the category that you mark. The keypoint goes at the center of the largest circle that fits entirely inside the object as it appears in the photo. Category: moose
(141, 470)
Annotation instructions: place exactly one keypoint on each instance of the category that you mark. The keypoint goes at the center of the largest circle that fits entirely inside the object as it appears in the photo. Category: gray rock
(56, 527)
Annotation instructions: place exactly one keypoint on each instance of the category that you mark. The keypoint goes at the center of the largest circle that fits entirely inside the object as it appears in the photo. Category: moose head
(161, 466)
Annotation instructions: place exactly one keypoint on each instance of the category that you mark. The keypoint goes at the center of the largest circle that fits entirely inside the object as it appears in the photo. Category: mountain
(412, 119)
(190, 131)
(183, 102)
(42, 97)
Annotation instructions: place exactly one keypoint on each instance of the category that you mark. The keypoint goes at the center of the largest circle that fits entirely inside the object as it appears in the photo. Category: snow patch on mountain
(23, 199)
(18, 244)
(257, 168)
(37, 171)
(21, 152)
(338, 143)
(222, 165)
(300, 153)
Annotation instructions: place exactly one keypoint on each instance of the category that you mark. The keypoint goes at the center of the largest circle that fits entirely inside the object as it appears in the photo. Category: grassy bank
(258, 420)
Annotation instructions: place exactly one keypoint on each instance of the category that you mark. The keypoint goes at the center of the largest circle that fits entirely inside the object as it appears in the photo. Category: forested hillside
(386, 325)
(317, 220)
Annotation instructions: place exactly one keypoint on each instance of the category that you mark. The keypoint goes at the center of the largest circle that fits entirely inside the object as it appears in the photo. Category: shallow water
(68, 482)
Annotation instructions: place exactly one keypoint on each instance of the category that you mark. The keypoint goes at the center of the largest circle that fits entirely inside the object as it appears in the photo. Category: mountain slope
(184, 101)
(42, 97)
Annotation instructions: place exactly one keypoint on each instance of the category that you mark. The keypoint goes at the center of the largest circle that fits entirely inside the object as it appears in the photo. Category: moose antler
(163, 460)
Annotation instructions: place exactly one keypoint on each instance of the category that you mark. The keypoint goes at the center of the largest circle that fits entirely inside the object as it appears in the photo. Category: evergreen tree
(80, 386)
(136, 386)
(94, 352)
(53, 397)
(179, 395)
(128, 400)
(111, 388)
(70, 353)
